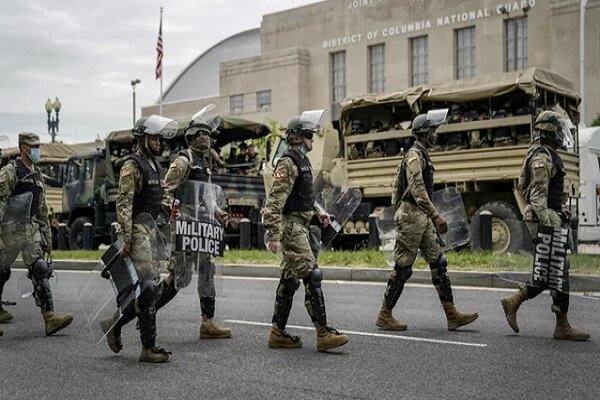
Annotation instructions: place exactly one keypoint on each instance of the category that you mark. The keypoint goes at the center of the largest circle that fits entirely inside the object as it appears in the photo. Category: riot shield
(550, 264)
(386, 226)
(199, 234)
(339, 204)
(113, 284)
(449, 204)
(17, 228)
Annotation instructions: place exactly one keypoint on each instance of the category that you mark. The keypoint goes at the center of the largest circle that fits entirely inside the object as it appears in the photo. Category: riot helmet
(155, 126)
(304, 126)
(202, 127)
(425, 125)
(550, 126)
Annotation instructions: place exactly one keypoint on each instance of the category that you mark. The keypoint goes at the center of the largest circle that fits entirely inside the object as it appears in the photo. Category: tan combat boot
(113, 337)
(209, 329)
(385, 320)
(281, 339)
(456, 319)
(55, 323)
(328, 338)
(154, 355)
(511, 306)
(564, 330)
(5, 316)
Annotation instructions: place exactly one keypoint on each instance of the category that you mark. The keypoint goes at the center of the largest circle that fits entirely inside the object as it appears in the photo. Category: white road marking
(379, 335)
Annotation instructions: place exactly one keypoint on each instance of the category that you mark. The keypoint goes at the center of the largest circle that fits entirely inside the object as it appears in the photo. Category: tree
(596, 121)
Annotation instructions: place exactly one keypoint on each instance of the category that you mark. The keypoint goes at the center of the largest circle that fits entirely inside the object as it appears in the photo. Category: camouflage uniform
(293, 182)
(31, 239)
(542, 182)
(411, 196)
(178, 172)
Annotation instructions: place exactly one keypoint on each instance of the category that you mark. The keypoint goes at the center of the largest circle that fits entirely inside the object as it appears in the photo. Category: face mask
(303, 150)
(201, 144)
(35, 155)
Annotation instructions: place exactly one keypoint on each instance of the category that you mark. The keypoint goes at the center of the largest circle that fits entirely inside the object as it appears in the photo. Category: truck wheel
(508, 231)
(76, 234)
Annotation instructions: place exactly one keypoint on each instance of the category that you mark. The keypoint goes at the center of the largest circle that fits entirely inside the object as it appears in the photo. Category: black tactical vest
(427, 173)
(301, 197)
(556, 186)
(199, 166)
(28, 181)
(149, 198)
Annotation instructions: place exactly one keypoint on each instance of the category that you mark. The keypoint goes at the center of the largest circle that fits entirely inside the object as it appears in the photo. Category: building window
(465, 53)
(236, 104)
(419, 48)
(516, 43)
(377, 68)
(338, 76)
(263, 100)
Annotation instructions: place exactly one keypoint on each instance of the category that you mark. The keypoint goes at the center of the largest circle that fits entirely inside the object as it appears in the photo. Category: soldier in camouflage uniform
(141, 191)
(192, 164)
(542, 183)
(417, 220)
(19, 177)
(289, 208)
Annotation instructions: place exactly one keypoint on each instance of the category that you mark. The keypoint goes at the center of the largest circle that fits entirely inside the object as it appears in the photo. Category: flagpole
(160, 111)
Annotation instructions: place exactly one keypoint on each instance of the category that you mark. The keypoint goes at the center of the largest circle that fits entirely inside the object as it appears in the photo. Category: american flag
(159, 50)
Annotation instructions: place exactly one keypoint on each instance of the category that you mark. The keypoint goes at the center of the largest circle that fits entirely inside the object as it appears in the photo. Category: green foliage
(596, 121)
(457, 261)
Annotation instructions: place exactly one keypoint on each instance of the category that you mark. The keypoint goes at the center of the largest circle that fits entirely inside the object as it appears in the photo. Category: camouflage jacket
(8, 180)
(539, 169)
(412, 165)
(178, 171)
(284, 176)
(131, 180)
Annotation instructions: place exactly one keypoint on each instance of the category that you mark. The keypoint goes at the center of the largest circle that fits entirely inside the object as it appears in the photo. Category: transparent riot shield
(113, 284)
(386, 226)
(549, 264)
(339, 204)
(199, 235)
(17, 228)
(450, 205)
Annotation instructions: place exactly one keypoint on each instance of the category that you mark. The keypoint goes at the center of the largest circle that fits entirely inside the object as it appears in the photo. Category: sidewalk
(578, 283)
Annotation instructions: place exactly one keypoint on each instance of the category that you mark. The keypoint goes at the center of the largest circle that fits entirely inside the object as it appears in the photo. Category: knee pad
(40, 270)
(315, 278)
(441, 264)
(4, 275)
(148, 293)
(290, 285)
(403, 273)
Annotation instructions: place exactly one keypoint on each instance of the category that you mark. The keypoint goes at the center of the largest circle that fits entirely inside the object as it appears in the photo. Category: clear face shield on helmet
(564, 137)
(207, 117)
(437, 118)
(313, 120)
(156, 125)
(4, 143)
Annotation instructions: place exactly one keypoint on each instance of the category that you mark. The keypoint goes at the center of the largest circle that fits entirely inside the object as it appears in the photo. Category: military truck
(53, 163)
(91, 184)
(480, 150)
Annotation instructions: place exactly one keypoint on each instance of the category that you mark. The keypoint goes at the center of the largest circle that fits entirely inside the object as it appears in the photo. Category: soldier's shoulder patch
(537, 163)
(412, 157)
(280, 174)
(125, 171)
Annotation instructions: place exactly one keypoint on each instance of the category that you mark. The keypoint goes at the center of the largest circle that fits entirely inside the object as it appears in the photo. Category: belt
(299, 220)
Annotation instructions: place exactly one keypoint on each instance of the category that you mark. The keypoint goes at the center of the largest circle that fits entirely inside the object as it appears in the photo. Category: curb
(578, 283)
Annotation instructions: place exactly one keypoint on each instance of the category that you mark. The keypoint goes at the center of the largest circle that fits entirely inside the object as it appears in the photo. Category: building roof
(200, 78)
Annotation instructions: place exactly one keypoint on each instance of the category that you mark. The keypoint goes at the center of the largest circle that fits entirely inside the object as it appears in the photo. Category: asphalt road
(485, 361)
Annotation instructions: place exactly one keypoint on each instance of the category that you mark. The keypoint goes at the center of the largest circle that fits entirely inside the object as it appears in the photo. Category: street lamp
(53, 122)
(133, 83)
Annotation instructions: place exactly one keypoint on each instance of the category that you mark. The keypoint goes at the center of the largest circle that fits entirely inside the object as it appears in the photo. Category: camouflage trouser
(298, 259)
(144, 253)
(415, 231)
(23, 241)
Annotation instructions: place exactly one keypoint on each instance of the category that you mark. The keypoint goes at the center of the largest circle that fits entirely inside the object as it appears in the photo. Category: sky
(86, 52)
